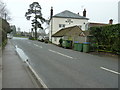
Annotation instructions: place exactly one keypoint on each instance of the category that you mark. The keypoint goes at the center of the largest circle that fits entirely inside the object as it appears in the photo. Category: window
(69, 21)
(61, 25)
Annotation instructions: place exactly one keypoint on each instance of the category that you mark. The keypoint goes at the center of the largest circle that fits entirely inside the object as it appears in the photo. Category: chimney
(84, 13)
(51, 12)
(111, 21)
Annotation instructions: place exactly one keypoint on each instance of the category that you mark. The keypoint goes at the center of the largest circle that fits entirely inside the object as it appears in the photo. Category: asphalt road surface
(65, 68)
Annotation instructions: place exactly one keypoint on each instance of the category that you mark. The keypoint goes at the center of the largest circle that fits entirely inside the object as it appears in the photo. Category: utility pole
(51, 14)
(51, 29)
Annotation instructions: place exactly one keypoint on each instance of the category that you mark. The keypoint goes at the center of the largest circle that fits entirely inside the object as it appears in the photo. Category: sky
(100, 11)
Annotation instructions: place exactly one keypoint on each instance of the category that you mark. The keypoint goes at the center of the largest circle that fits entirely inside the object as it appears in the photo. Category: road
(65, 68)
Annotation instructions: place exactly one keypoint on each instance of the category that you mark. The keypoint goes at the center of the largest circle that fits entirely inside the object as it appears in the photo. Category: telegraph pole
(51, 14)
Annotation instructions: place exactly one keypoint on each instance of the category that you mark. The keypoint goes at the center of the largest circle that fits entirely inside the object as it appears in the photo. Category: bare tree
(4, 13)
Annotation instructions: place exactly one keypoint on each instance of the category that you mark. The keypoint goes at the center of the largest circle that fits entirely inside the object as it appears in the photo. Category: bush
(4, 43)
(107, 37)
(31, 38)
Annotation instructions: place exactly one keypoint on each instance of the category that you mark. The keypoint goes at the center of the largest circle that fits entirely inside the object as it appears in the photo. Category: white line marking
(21, 53)
(38, 46)
(60, 54)
(110, 70)
(29, 42)
(39, 79)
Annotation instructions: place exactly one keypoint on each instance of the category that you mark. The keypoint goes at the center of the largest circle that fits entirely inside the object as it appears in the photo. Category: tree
(4, 13)
(35, 9)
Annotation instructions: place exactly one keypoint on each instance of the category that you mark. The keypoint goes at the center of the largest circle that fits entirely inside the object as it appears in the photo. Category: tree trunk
(36, 33)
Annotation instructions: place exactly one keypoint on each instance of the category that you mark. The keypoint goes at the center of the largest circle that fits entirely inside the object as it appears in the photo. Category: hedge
(4, 43)
(107, 38)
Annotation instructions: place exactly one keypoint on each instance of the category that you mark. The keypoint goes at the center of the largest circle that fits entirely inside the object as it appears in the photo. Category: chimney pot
(111, 21)
(84, 13)
(51, 12)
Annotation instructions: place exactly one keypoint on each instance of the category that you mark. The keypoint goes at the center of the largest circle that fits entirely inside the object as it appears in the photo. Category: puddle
(21, 53)
(20, 38)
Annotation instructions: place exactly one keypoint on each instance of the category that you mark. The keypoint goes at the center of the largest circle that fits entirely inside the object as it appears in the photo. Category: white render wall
(55, 25)
(55, 40)
(57, 21)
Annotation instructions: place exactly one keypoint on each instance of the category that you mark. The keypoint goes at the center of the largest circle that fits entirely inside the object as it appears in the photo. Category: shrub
(107, 37)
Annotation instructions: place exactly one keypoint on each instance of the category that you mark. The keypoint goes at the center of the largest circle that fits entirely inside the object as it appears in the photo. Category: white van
(9, 36)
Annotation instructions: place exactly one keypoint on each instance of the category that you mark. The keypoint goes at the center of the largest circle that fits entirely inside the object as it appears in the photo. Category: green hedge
(107, 38)
(4, 43)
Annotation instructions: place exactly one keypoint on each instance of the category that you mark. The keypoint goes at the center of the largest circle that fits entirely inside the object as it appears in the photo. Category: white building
(66, 19)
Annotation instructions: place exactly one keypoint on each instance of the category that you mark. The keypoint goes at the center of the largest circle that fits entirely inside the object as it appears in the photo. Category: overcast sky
(97, 10)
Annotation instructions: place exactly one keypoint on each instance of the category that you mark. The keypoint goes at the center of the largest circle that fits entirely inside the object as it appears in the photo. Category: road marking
(35, 44)
(21, 54)
(60, 53)
(37, 76)
(29, 42)
(38, 46)
(110, 70)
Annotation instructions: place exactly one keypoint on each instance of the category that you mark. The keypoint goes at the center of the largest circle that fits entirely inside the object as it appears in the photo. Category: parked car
(46, 39)
(41, 38)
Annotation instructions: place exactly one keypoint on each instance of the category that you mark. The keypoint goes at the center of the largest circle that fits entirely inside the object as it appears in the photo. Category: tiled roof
(96, 24)
(68, 14)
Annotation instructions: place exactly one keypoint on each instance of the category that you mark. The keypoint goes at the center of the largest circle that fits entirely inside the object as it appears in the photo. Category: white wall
(56, 21)
(55, 40)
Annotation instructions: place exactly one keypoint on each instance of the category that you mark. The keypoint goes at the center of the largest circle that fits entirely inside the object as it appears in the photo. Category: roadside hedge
(4, 43)
(107, 38)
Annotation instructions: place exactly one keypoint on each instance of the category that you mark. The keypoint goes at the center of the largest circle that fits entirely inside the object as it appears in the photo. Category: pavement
(15, 73)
